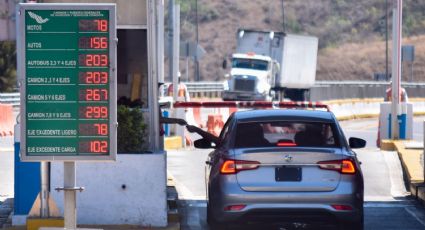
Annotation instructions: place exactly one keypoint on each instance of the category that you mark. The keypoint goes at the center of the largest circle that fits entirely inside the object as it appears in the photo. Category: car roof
(284, 114)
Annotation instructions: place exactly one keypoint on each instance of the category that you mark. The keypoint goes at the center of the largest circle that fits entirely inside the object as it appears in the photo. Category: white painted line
(183, 191)
(415, 213)
(396, 174)
(379, 199)
(396, 204)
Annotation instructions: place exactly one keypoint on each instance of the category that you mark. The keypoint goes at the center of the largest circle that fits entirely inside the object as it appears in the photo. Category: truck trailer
(271, 65)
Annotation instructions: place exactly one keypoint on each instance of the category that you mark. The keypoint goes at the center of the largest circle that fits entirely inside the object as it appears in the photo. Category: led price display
(95, 77)
(93, 112)
(93, 43)
(93, 129)
(93, 146)
(93, 95)
(93, 60)
(93, 25)
(69, 63)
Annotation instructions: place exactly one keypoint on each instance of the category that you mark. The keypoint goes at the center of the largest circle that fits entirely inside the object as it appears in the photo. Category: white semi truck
(271, 65)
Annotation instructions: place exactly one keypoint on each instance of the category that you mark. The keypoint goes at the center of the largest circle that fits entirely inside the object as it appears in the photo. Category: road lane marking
(395, 174)
(415, 213)
(391, 204)
(183, 191)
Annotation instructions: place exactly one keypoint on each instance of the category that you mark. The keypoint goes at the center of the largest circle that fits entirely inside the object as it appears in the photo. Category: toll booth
(405, 121)
(132, 190)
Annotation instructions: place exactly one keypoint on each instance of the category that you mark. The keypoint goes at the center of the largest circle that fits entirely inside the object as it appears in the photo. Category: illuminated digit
(89, 95)
(94, 146)
(103, 25)
(102, 129)
(103, 43)
(93, 42)
(96, 112)
(89, 77)
(89, 112)
(95, 79)
(96, 94)
(89, 60)
(104, 60)
(104, 147)
(104, 78)
(105, 94)
(104, 112)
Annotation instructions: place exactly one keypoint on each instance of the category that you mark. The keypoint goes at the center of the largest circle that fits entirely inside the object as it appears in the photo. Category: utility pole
(197, 77)
(170, 39)
(283, 16)
(396, 67)
(386, 40)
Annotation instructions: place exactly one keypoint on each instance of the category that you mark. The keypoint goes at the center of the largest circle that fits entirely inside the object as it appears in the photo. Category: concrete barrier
(130, 191)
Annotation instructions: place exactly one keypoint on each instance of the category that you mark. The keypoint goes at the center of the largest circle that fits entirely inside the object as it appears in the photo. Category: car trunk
(288, 169)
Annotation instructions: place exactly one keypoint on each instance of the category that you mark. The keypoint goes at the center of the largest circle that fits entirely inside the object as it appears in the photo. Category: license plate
(287, 173)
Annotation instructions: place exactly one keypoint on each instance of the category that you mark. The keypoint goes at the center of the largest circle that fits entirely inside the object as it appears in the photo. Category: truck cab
(251, 77)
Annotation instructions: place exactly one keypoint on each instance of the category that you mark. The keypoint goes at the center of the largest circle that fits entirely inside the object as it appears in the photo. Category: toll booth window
(132, 91)
(132, 76)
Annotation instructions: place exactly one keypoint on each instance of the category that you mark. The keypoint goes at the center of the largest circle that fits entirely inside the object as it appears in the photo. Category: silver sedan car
(284, 167)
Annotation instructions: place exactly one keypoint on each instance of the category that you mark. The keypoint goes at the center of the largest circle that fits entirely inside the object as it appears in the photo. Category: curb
(173, 142)
(172, 199)
(411, 163)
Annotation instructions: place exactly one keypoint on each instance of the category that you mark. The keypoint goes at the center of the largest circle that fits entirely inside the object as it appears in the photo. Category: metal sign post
(67, 73)
(396, 67)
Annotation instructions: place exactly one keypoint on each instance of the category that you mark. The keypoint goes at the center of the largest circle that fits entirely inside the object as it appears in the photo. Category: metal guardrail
(214, 86)
(323, 90)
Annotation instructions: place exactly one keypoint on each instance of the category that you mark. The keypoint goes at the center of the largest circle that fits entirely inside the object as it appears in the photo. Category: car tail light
(237, 207)
(341, 207)
(346, 166)
(235, 166)
(286, 143)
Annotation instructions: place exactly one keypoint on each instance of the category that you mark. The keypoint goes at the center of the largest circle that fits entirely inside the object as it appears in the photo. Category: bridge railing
(10, 98)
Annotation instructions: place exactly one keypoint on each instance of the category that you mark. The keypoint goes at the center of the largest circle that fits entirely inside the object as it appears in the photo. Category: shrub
(131, 130)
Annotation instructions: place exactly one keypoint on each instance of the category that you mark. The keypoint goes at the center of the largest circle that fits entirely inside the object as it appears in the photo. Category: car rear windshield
(286, 134)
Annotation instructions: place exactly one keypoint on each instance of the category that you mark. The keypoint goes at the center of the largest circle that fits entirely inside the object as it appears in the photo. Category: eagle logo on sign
(37, 18)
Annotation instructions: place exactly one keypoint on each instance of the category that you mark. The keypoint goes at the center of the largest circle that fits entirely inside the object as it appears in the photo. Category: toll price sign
(67, 71)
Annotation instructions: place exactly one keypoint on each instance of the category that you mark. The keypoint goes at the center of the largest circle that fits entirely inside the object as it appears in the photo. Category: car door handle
(208, 162)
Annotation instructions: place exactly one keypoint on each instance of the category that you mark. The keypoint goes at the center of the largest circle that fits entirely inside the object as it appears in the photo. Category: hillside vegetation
(351, 33)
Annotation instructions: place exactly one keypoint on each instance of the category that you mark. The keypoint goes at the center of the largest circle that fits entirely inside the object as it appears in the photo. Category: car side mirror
(203, 144)
(224, 65)
(356, 143)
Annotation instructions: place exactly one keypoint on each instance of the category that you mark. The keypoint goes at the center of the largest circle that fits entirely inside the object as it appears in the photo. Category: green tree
(7, 66)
